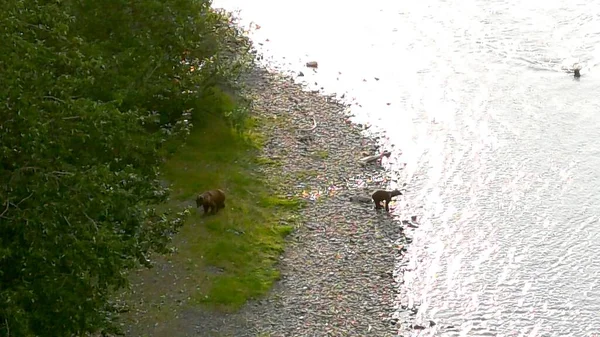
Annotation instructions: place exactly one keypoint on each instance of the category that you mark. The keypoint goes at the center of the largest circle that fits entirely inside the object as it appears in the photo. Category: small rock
(312, 64)
(311, 226)
(300, 74)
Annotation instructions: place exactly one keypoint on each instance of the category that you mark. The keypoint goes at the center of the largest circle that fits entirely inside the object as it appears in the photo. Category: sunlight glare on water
(499, 140)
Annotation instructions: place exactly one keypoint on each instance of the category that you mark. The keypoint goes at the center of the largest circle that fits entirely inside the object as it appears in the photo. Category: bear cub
(212, 201)
(386, 196)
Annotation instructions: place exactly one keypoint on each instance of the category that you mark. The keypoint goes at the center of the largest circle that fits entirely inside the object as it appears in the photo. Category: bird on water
(576, 68)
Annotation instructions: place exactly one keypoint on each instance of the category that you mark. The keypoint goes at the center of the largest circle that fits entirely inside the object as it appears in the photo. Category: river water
(501, 146)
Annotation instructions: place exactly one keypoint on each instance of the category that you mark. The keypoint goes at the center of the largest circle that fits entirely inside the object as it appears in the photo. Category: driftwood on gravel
(311, 128)
(376, 157)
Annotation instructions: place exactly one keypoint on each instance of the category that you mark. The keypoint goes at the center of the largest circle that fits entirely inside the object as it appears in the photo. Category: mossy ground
(223, 260)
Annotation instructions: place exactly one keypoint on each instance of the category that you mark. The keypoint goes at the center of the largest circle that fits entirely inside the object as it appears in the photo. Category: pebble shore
(337, 271)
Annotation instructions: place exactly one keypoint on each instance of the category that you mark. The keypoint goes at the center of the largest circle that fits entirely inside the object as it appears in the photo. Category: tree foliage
(92, 90)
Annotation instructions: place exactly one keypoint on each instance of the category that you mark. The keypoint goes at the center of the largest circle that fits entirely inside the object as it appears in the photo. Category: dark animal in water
(577, 74)
(380, 195)
(212, 201)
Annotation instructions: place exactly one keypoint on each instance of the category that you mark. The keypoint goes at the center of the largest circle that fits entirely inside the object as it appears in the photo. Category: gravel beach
(337, 272)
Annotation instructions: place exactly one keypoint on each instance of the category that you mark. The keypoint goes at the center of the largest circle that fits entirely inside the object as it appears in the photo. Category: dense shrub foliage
(91, 92)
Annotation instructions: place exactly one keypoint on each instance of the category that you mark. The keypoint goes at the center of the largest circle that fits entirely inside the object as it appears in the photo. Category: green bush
(92, 90)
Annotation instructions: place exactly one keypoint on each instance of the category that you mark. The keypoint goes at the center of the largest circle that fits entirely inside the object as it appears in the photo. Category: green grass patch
(267, 161)
(244, 240)
(322, 154)
(223, 260)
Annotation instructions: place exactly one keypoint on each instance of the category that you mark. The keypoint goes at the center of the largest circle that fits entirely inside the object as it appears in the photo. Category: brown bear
(212, 201)
(386, 196)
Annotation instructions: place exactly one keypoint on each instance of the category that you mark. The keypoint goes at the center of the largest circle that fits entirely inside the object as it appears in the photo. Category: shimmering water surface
(502, 145)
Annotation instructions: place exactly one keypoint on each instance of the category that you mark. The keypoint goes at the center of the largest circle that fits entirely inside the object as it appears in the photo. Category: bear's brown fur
(386, 196)
(212, 201)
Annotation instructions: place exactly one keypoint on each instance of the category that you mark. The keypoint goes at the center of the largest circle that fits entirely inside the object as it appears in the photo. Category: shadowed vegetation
(96, 93)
